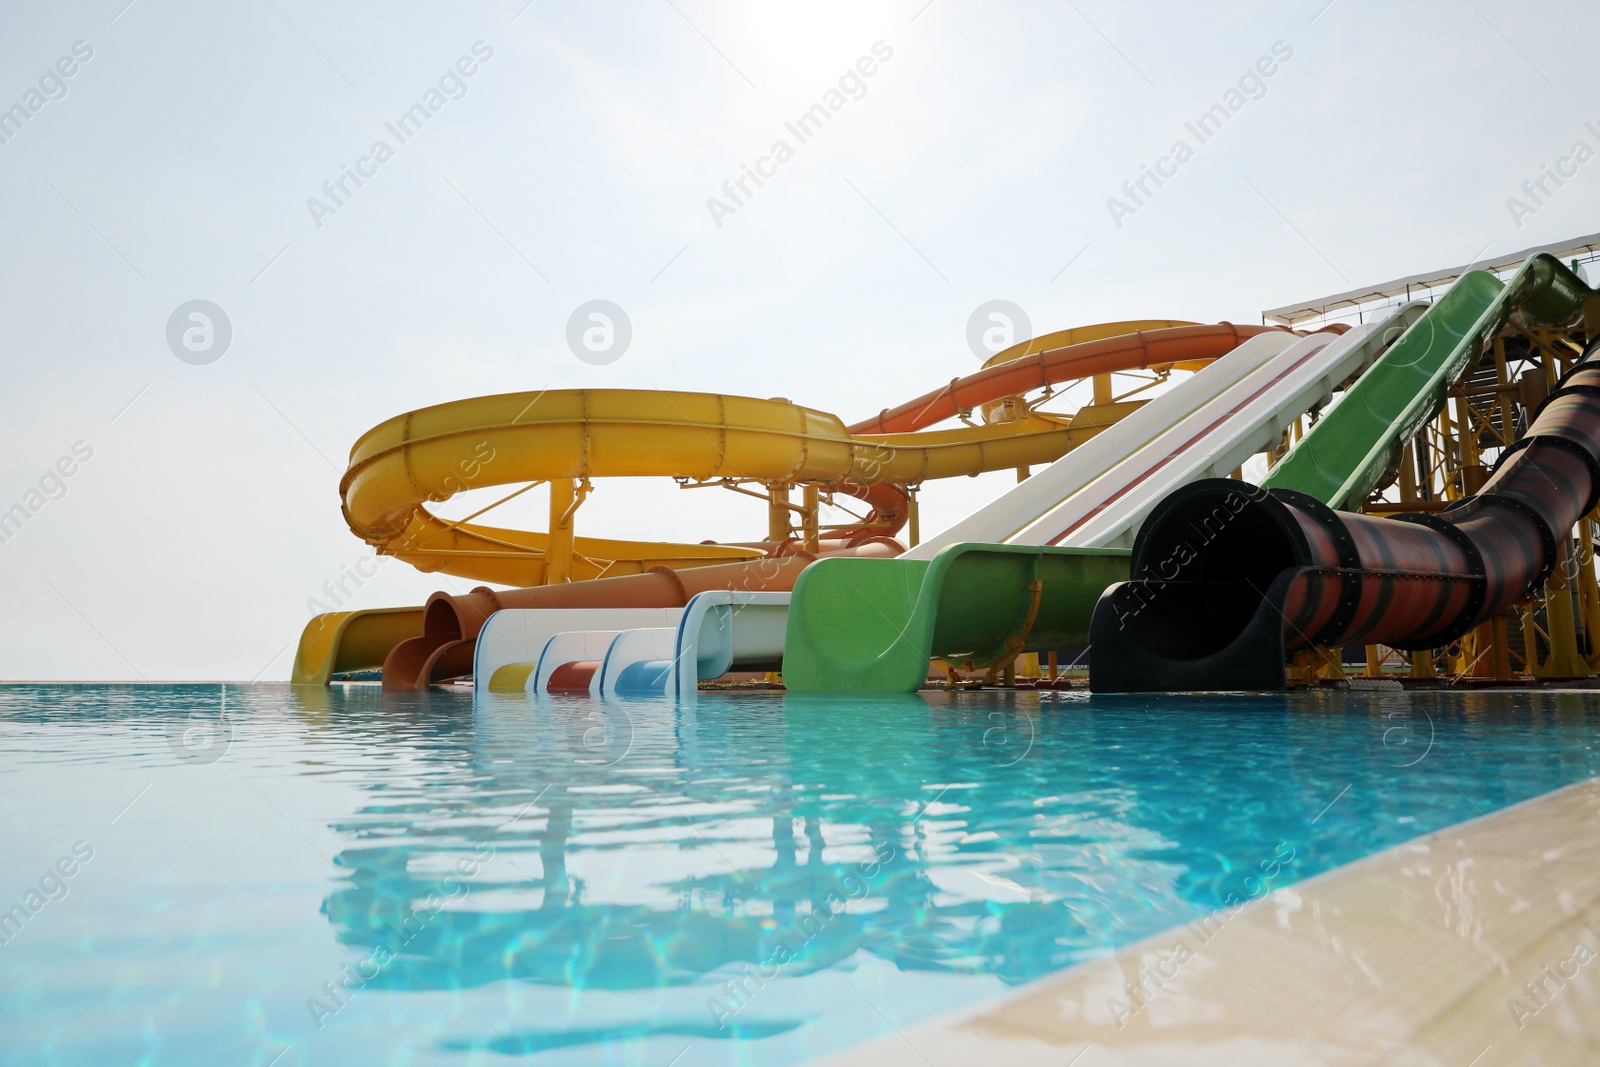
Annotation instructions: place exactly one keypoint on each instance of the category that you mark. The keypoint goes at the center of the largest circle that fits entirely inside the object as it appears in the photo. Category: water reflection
(729, 842)
(738, 836)
(713, 869)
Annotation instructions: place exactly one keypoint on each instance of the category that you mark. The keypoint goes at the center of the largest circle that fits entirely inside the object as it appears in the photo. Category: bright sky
(176, 161)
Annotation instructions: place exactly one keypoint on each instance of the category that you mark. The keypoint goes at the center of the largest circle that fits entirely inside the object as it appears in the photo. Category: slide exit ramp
(641, 652)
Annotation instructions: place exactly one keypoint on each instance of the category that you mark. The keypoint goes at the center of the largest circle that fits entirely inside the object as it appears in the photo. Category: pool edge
(1415, 954)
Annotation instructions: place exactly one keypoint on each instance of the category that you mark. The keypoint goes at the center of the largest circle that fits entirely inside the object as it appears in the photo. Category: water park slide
(1067, 355)
(1233, 409)
(568, 436)
(1342, 467)
(1096, 456)
(453, 624)
(499, 664)
(1348, 450)
(1096, 495)
(1231, 578)
(429, 455)
(1005, 517)
(1249, 418)
(612, 652)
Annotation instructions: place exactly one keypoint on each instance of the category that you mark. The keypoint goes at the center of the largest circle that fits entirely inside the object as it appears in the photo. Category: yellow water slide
(567, 438)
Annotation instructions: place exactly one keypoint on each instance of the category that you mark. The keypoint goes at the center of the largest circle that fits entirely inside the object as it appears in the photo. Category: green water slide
(870, 625)
(1355, 446)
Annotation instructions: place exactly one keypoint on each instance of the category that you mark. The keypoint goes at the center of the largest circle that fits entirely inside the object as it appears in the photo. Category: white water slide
(1094, 496)
(1205, 427)
(622, 652)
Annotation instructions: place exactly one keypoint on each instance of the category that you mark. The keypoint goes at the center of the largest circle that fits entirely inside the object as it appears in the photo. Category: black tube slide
(1229, 579)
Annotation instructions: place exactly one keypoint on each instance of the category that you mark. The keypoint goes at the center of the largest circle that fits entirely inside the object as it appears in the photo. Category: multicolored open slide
(1230, 582)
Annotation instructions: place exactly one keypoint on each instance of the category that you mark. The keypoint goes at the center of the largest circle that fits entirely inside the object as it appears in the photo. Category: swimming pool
(195, 874)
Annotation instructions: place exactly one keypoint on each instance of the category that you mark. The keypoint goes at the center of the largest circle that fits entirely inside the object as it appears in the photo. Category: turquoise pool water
(255, 876)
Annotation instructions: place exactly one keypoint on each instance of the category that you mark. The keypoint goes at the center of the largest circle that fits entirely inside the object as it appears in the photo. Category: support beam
(778, 528)
(1102, 389)
(1408, 474)
(1564, 661)
(1530, 645)
(1333, 663)
(1501, 649)
(1588, 589)
(810, 535)
(558, 555)
(1422, 663)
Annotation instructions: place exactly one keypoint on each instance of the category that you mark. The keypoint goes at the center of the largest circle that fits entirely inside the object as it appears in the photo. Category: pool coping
(1416, 954)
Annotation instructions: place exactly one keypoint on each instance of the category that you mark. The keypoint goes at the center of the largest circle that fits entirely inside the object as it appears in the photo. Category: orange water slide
(1035, 367)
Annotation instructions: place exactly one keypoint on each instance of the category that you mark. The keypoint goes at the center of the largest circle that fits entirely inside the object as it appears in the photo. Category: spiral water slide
(566, 437)
(1230, 579)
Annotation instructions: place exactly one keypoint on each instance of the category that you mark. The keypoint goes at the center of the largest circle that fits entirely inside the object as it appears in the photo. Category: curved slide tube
(1232, 578)
(1034, 368)
(399, 467)
(1078, 335)
(429, 455)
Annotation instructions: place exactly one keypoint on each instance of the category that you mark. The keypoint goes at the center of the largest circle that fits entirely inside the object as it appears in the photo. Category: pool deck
(1432, 952)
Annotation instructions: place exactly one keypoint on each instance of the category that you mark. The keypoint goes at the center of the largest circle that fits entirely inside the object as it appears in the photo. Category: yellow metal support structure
(811, 538)
(1102, 389)
(1530, 644)
(1564, 661)
(1501, 648)
(1408, 473)
(564, 501)
(1589, 590)
(1422, 663)
(1333, 663)
(778, 508)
